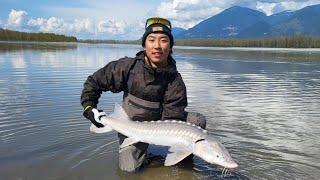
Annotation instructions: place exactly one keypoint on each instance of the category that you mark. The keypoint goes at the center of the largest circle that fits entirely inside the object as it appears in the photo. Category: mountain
(225, 24)
(302, 22)
(241, 22)
(258, 30)
(176, 31)
(279, 17)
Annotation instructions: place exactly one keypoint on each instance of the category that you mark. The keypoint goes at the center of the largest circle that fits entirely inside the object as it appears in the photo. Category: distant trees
(9, 35)
(278, 42)
(94, 41)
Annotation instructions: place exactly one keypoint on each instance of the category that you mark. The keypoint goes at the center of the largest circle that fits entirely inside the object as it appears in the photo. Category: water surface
(262, 105)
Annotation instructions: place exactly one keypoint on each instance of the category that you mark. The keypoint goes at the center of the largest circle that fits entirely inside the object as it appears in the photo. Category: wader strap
(141, 110)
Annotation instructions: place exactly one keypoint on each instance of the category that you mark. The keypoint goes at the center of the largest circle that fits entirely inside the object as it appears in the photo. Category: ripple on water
(264, 110)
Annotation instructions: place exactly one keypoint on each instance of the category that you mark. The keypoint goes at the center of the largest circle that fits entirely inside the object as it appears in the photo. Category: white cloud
(16, 18)
(111, 26)
(295, 5)
(82, 25)
(36, 22)
(267, 8)
(277, 6)
(52, 24)
(87, 28)
(187, 13)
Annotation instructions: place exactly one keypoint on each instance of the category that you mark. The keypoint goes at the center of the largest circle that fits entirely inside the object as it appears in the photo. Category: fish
(181, 137)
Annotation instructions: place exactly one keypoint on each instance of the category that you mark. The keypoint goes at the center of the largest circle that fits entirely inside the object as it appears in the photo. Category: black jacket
(132, 75)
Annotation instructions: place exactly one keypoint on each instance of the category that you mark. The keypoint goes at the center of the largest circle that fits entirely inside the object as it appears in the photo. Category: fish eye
(217, 156)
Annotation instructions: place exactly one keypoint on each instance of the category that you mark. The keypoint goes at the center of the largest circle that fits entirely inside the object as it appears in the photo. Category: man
(151, 85)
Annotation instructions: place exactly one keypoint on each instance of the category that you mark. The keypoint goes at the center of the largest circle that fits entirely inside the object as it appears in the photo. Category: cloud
(52, 24)
(295, 5)
(276, 6)
(82, 25)
(187, 13)
(111, 26)
(267, 8)
(182, 13)
(16, 18)
(87, 28)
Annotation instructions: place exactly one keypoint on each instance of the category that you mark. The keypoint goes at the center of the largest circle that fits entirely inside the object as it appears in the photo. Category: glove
(94, 115)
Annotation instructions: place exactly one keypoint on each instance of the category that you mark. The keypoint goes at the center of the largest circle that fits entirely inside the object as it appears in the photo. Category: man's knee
(132, 157)
(197, 119)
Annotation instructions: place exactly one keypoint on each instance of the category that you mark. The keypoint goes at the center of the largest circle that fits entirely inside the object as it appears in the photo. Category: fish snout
(231, 165)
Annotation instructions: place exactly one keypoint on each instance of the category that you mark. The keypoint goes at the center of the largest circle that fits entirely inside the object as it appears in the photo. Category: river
(262, 104)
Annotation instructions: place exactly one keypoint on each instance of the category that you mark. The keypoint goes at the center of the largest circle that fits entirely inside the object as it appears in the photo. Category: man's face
(157, 47)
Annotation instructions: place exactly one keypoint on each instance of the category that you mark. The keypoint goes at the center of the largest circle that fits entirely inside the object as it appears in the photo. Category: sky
(121, 19)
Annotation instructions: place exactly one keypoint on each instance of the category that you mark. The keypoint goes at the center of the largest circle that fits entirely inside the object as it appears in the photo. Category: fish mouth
(231, 165)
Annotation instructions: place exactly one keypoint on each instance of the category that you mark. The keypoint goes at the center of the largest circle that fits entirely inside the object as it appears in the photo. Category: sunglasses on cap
(162, 21)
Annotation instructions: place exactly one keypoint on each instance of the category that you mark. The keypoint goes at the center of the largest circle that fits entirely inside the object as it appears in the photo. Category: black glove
(94, 115)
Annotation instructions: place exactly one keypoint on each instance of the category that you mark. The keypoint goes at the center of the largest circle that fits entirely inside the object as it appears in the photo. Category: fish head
(214, 152)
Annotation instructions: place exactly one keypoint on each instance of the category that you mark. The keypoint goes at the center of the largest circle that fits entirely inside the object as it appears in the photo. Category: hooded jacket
(132, 76)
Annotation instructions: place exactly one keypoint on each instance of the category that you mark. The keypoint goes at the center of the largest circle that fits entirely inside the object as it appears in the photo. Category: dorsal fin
(119, 113)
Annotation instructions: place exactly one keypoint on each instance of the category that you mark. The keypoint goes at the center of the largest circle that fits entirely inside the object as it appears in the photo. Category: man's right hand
(94, 115)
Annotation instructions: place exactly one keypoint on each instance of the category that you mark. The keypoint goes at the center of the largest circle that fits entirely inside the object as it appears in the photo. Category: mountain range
(242, 22)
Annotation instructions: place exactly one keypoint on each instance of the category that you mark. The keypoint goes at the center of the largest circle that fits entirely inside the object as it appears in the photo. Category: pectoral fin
(104, 129)
(178, 153)
(128, 141)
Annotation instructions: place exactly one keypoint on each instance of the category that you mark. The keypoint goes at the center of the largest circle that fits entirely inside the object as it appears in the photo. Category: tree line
(276, 42)
(97, 41)
(9, 35)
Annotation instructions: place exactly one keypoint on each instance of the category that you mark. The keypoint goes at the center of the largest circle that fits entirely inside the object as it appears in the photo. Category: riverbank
(295, 41)
(7, 44)
(274, 42)
(9, 35)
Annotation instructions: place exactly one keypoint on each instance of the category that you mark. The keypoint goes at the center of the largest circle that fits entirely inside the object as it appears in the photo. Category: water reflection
(268, 101)
(264, 109)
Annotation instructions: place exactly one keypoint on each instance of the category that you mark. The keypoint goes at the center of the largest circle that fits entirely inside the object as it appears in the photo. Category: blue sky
(121, 19)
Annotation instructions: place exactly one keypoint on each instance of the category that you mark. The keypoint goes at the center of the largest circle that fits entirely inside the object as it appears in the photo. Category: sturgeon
(182, 138)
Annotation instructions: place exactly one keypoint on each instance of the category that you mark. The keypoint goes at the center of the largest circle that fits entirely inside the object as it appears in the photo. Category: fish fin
(178, 153)
(104, 129)
(179, 147)
(119, 113)
(128, 141)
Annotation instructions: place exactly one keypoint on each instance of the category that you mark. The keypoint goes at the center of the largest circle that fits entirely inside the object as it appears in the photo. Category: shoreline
(256, 49)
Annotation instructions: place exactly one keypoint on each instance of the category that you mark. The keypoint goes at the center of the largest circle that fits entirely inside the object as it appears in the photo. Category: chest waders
(132, 157)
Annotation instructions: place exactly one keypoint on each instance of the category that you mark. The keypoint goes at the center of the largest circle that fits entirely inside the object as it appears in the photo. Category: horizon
(97, 21)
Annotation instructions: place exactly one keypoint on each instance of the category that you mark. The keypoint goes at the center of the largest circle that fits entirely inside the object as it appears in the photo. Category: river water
(263, 106)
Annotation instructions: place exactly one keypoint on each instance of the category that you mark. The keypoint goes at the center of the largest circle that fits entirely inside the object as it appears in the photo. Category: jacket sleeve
(112, 78)
(175, 100)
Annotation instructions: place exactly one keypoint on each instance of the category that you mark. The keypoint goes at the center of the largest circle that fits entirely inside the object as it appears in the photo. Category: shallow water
(263, 106)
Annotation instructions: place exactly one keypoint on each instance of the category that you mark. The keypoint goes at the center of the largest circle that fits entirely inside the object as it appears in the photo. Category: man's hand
(94, 115)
